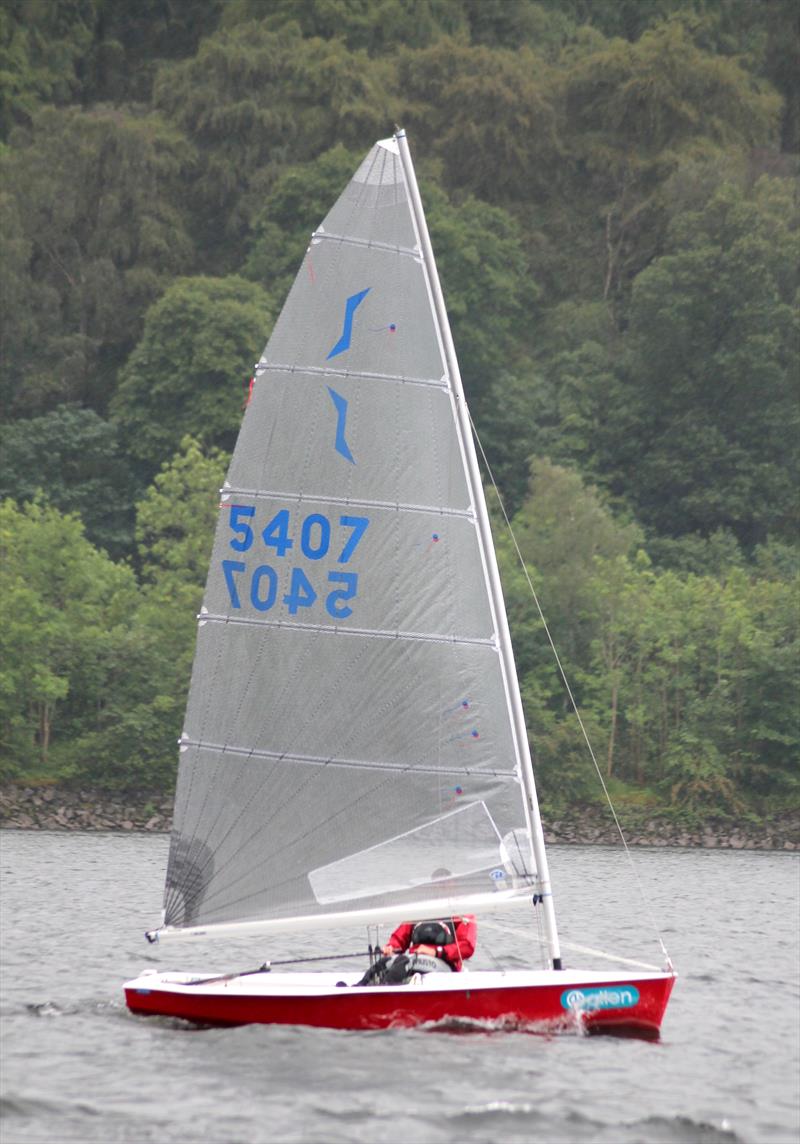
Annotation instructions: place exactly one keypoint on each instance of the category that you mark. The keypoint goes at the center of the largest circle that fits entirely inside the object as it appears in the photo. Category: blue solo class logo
(350, 307)
(589, 1000)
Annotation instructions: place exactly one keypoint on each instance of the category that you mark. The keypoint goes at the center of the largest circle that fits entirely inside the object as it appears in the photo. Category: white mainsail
(354, 745)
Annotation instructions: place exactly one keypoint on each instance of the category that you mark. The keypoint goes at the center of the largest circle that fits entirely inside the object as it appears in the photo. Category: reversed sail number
(316, 533)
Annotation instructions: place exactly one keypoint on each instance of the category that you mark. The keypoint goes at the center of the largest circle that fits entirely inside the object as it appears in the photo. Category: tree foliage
(188, 373)
(376, 26)
(41, 49)
(132, 742)
(253, 99)
(175, 523)
(633, 110)
(96, 236)
(297, 201)
(683, 679)
(66, 605)
(711, 370)
(490, 115)
(611, 193)
(70, 458)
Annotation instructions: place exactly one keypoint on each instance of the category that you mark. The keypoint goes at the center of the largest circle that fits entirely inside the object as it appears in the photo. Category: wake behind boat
(355, 749)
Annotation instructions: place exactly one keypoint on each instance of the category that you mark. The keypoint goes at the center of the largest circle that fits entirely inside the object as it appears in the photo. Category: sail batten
(319, 498)
(322, 235)
(364, 633)
(356, 375)
(319, 760)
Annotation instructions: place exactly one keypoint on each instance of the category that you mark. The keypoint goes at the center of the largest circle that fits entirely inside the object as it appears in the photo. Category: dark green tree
(130, 40)
(42, 46)
(70, 458)
(377, 26)
(132, 742)
(575, 353)
(709, 434)
(188, 372)
(622, 18)
(633, 110)
(254, 100)
(508, 421)
(703, 689)
(98, 234)
(24, 303)
(489, 113)
(492, 298)
(509, 23)
(297, 202)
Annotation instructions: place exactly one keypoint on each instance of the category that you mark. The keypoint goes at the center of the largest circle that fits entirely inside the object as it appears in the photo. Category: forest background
(612, 195)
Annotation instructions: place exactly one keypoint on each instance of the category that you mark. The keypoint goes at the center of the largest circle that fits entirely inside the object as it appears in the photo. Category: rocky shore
(62, 808)
(592, 828)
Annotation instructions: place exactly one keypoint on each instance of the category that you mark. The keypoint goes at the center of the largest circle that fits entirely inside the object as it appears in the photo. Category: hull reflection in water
(594, 1002)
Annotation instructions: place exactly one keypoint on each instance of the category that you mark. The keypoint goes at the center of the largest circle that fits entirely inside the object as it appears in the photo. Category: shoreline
(62, 808)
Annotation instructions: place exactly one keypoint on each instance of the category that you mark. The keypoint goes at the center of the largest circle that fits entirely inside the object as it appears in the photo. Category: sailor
(433, 945)
(452, 940)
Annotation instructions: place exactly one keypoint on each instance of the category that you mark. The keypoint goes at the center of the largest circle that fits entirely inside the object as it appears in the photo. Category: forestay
(349, 744)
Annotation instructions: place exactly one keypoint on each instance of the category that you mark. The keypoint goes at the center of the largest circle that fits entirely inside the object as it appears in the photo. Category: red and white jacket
(455, 954)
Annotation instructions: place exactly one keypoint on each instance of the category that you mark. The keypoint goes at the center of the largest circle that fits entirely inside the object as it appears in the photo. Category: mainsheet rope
(565, 681)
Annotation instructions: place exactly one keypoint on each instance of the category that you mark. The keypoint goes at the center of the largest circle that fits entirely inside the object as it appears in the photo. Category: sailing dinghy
(355, 749)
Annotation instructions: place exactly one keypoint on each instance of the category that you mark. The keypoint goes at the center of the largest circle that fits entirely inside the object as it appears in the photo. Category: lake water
(76, 1066)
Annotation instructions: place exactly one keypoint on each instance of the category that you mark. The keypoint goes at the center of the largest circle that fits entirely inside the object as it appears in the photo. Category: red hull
(401, 1007)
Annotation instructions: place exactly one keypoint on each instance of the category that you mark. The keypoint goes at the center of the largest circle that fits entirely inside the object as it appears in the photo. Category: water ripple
(77, 1066)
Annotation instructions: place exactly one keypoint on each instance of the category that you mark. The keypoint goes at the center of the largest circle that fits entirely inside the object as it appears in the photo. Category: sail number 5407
(315, 541)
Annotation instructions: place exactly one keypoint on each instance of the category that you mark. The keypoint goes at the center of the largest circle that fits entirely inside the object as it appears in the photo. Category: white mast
(486, 545)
